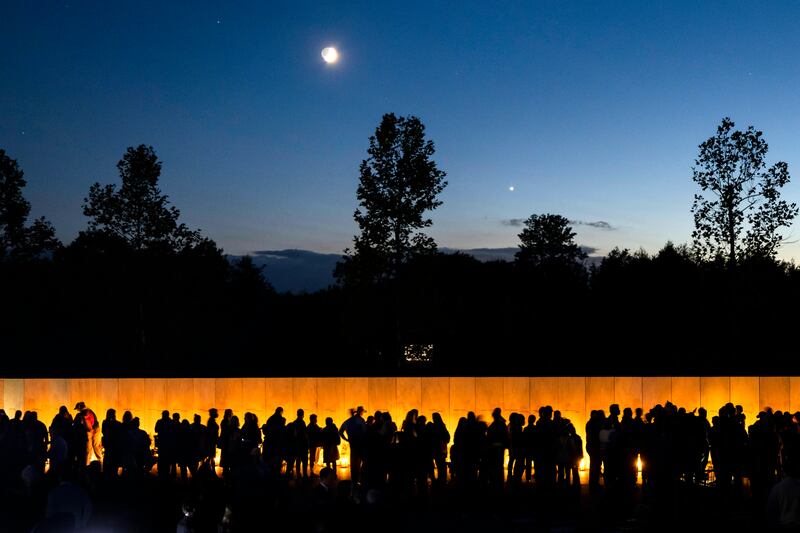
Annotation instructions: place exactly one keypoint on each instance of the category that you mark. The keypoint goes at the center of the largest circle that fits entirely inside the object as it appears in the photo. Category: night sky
(591, 110)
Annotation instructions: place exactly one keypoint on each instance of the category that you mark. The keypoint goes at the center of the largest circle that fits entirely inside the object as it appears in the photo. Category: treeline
(137, 293)
(85, 313)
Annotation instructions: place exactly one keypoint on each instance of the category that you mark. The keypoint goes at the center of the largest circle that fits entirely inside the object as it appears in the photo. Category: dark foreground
(153, 504)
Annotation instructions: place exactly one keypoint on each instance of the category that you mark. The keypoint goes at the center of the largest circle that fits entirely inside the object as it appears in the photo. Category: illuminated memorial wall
(452, 397)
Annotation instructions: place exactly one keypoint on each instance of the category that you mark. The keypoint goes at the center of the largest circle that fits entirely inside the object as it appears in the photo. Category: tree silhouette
(17, 240)
(136, 225)
(138, 213)
(247, 278)
(399, 184)
(739, 211)
(547, 240)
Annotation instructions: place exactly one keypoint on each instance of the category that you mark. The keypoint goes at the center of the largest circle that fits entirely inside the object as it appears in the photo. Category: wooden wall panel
(228, 393)
(155, 394)
(773, 392)
(488, 395)
(45, 396)
(686, 392)
(714, 393)
(628, 392)
(204, 396)
(656, 390)
(108, 396)
(383, 396)
(356, 392)
(131, 397)
(180, 395)
(155, 401)
(544, 391)
(436, 397)
(572, 394)
(572, 401)
(599, 393)
(744, 392)
(516, 396)
(14, 396)
(254, 398)
(82, 390)
(331, 400)
(305, 394)
(462, 398)
(279, 392)
(452, 397)
(408, 397)
(794, 394)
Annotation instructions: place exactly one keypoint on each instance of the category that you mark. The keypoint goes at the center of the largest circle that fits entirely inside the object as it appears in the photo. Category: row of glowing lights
(344, 460)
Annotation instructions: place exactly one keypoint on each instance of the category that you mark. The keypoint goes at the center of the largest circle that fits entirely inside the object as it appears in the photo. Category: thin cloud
(589, 250)
(599, 224)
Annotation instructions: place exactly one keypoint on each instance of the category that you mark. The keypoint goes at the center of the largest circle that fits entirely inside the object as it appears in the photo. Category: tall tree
(138, 213)
(137, 227)
(548, 240)
(17, 239)
(398, 186)
(739, 212)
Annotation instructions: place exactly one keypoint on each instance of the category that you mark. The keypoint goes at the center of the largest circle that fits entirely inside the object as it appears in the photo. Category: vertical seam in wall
(585, 395)
(671, 388)
(614, 389)
(729, 389)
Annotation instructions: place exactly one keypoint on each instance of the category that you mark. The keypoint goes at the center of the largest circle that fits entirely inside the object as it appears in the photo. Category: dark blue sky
(592, 110)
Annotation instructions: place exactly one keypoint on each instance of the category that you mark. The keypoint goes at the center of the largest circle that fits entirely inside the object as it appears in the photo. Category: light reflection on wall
(452, 397)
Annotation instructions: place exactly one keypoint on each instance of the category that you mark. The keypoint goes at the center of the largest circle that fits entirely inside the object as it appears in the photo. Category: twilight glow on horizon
(591, 111)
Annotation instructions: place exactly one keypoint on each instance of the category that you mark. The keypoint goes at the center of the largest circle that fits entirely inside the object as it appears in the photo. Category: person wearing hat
(92, 427)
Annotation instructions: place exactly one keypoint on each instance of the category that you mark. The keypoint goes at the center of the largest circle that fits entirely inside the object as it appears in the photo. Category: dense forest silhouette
(137, 293)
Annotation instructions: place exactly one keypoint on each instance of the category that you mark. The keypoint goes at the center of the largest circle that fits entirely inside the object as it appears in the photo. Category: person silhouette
(184, 455)
(353, 431)
(91, 428)
(529, 443)
(62, 423)
(546, 449)
(440, 438)
(299, 442)
(782, 509)
(165, 444)
(497, 442)
(225, 438)
(211, 439)
(111, 430)
(314, 441)
(274, 430)
(324, 494)
(330, 443)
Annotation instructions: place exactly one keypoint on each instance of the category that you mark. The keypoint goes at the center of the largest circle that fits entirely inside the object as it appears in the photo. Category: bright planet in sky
(511, 188)
(330, 54)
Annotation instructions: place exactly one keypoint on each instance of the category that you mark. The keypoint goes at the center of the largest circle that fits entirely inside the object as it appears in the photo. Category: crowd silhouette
(662, 449)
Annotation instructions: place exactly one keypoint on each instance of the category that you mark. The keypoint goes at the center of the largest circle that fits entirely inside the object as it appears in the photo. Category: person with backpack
(90, 424)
